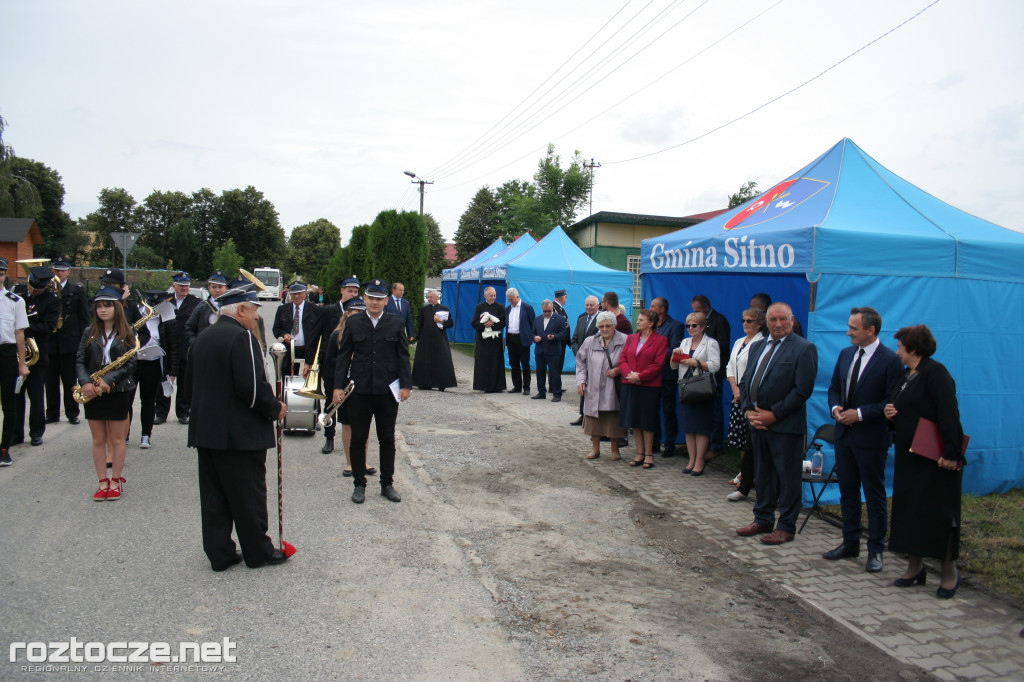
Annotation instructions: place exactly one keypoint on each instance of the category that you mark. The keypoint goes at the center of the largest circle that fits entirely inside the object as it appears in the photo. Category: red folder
(928, 441)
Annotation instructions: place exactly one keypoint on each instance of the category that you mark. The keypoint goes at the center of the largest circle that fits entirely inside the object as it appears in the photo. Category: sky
(323, 104)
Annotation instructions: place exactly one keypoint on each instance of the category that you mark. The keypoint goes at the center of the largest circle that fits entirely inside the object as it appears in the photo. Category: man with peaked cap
(13, 322)
(330, 317)
(205, 313)
(183, 303)
(232, 429)
(374, 352)
(73, 321)
(299, 323)
(42, 308)
(153, 360)
(558, 305)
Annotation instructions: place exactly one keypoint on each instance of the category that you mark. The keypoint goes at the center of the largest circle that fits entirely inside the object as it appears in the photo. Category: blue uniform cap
(297, 287)
(40, 276)
(350, 281)
(355, 304)
(217, 278)
(182, 278)
(61, 263)
(3, 263)
(107, 294)
(377, 288)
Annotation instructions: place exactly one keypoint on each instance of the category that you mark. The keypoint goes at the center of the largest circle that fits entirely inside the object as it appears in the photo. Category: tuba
(31, 347)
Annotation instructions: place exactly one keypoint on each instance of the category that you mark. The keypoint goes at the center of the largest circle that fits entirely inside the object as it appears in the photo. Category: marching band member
(13, 321)
(74, 319)
(43, 308)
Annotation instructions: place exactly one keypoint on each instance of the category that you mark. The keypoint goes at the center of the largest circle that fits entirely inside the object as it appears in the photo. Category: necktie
(853, 377)
(589, 318)
(295, 322)
(759, 374)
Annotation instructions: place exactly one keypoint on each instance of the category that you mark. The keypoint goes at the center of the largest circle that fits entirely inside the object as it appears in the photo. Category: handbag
(617, 380)
(695, 388)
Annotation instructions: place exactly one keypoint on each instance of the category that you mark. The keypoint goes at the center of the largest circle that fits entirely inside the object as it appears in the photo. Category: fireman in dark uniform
(73, 321)
(42, 308)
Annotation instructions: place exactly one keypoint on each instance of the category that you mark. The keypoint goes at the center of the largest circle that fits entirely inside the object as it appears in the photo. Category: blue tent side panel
(451, 277)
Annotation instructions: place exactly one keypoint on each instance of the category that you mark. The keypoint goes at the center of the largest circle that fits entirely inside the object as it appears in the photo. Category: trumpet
(326, 418)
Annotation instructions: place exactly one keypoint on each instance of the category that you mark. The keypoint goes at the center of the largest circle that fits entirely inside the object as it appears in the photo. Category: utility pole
(591, 166)
(421, 183)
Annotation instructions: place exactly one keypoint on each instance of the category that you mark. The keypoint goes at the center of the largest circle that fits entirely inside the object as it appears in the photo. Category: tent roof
(485, 268)
(452, 274)
(557, 255)
(842, 203)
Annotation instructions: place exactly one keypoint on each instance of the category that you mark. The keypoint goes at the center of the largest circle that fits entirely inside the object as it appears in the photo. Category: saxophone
(102, 371)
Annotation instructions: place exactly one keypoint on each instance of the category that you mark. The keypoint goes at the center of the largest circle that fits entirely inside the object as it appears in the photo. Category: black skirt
(640, 407)
(109, 407)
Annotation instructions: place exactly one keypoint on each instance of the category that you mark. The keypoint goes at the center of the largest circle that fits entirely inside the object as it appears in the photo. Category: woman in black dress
(433, 367)
(352, 307)
(925, 494)
(489, 358)
(109, 397)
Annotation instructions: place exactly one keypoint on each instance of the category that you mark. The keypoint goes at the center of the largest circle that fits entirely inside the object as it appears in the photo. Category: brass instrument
(102, 371)
(327, 417)
(150, 314)
(260, 286)
(311, 388)
(31, 347)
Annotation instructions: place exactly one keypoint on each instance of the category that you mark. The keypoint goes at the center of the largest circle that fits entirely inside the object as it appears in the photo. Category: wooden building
(18, 236)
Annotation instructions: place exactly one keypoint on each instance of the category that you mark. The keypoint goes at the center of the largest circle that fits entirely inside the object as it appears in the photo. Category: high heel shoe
(649, 462)
(688, 470)
(697, 473)
(943, 593)
(919, 579)
(637, 462)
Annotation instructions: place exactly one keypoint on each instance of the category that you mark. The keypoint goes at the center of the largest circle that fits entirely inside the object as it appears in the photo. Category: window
(633, 265)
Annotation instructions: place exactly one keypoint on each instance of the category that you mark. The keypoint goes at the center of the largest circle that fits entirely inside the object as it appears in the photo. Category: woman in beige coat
(596, 373)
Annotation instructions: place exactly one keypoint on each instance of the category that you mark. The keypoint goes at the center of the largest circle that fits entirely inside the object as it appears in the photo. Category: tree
(159, 213)
(53, 222)
(251, 220)
(479, 225)
(311, 246)
(185, 248)
(19, 198)
(227, 259)
(358, 253)
(747, 192)
(145, 258)
(117, 213)
(398, 252)
(562, 191)
(520, 211)
(436, 248)
(337, 268)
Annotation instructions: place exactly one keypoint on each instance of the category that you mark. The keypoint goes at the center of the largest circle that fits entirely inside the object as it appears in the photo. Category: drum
(301, 414)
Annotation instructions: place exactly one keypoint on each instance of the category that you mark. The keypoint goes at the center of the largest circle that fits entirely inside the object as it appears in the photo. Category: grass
(466, 348)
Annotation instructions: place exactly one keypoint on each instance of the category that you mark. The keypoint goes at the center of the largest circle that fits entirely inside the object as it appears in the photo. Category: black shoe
(74, 420)
(578, 422)
(844, 551)
(623, 442)
(159, 420)
(557, 398)
(370, 471)
(52, 420)
(184, 420)
(328, 447)
(359, 494)
(874, 564)
(657, 447)
(441, 388)
(670, 450)
(539, 396)
(526, 390)
(278, 557)
(236, 560)
(390, 493)
(37, 440)
(515, 389)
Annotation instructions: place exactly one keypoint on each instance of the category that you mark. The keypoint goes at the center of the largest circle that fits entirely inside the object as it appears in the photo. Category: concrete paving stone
(1005, 666)
(922, 637)
(931, 648)
(964, 658)
(944, 675)
(931, 662)
(971, 672)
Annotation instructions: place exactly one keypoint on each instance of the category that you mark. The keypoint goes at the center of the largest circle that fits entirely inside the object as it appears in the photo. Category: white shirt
(13, 315)
(299, 338)
(373, 319)
(513, 318)
(740, 356)
(869, 350)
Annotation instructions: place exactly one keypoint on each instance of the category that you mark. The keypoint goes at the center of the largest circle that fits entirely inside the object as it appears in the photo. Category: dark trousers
(748, 472)
(669, 401)
(61, 373)
(329, 431)
(383, 410)
(233, 491)
(545, 366)
(519, 359)
(182, 396)
(150, 378)
(718, 418)
(858, 467)
(778, 477)
(8, 377)
(35, 387)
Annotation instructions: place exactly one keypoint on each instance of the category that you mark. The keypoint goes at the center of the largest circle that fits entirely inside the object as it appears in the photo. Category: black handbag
(617, 380)
(695, 388)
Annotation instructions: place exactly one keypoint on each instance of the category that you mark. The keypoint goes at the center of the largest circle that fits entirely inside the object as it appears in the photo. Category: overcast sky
(323, 104)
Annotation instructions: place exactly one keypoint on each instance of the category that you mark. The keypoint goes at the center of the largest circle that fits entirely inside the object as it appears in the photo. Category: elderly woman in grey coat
(597, 376)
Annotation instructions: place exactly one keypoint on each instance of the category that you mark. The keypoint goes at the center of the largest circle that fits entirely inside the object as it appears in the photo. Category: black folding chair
(824, 434)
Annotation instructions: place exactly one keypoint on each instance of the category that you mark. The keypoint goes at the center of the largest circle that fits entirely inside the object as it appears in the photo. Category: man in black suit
(397, 305)
(863, 379)
(298, 322)
(232, 429)
(549, 332)
(205, 314)
(184, 303)
(774, 393)
(586, 325)
(330, 317)
(518, 339)
(718, 329)
(42, 308)
(72, 323)
(374, 353)
(674, 332)
(558, 305)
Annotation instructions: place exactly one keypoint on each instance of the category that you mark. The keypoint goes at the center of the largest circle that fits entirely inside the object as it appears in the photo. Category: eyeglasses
(746, 321)
(692, 325)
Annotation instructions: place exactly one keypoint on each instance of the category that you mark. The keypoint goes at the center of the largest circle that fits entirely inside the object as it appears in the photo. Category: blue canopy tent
(845, 231)
(555, 262)
(472, 283)
(450, 283)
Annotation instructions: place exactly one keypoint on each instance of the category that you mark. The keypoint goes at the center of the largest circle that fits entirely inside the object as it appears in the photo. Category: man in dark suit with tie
(862, 382)
(558, 306)
(298, 322)
(774, 392)
(518, 339)
(586, 325)
(549, 332)
(400, 307)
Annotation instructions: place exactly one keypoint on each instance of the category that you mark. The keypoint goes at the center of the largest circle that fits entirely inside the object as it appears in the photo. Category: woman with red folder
(925, 494)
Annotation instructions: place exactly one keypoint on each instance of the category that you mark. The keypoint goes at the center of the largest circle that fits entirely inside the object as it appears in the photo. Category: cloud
(658, 130)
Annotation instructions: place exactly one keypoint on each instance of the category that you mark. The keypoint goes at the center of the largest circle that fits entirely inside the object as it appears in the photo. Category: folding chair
(824, 434)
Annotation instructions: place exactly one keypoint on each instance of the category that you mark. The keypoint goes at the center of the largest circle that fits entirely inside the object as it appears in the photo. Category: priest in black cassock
(433, 367)
(489, 361)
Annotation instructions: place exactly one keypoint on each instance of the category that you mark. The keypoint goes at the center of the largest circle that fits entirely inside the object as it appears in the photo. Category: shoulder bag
(697, 387)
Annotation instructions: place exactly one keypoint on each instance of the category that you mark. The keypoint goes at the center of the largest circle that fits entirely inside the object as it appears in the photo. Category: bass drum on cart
(301, 414)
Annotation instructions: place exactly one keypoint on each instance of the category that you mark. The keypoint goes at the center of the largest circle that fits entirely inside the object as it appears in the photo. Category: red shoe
(114, 493)
(101, 494)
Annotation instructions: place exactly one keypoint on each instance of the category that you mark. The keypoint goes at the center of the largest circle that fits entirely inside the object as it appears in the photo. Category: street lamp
(421, 183)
